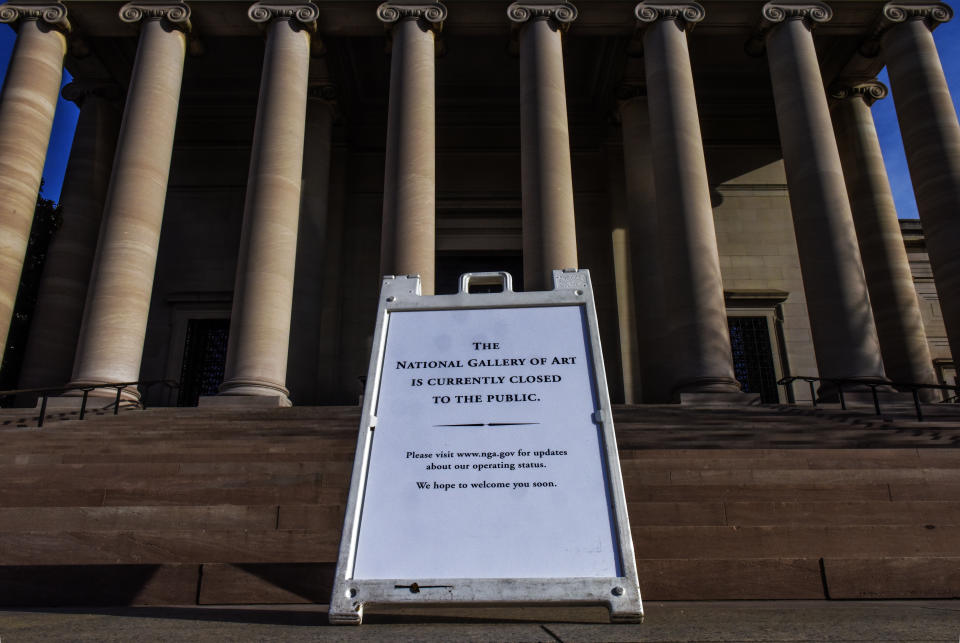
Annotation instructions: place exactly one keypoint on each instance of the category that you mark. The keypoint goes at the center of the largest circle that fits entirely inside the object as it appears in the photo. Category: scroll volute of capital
(688, 13)
(305, 13)
(562, 13)
(175, 14)
(431, 13)
(53, 14)
(895, 12)
(870, 91)
(811, 12)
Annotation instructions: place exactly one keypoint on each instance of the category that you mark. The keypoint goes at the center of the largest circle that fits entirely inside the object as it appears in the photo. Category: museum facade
(243, 174)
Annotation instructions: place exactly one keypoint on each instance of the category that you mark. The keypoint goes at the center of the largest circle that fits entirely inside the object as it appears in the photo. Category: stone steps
(195, 506)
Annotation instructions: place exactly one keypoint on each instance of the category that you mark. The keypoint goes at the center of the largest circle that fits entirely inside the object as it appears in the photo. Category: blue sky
(947, 37)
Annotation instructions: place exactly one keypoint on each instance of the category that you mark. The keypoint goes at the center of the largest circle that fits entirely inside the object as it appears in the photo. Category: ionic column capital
(774, 13)
(810, 12)
(305, 13)
(870, 90)
(561, 14)
(932, 13)
(176, 13)
(894, 13)
(686, 14)
(51, 14)
(430, 13)
(78, 91)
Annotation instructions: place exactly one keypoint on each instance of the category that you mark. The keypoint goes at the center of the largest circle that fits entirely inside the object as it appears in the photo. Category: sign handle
(502, 279)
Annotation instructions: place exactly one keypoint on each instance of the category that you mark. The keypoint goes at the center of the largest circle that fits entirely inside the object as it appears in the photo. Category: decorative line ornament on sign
(54, 14)
(305, 13)
(176, 14)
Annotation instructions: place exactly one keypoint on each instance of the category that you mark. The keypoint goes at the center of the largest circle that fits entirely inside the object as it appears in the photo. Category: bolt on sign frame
(486, 470)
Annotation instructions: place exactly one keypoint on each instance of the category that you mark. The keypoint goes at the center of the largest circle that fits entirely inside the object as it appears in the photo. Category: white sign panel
(486, 469)
(486, 461)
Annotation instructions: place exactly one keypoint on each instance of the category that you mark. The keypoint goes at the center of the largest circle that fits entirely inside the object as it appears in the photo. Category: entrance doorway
(753, 362)
(204, 359)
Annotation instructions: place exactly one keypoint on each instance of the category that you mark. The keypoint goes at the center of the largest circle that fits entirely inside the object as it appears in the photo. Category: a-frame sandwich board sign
(486, 469)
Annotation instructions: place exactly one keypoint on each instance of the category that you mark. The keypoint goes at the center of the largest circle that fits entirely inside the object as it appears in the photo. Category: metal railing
(46, 392)
(851, 382)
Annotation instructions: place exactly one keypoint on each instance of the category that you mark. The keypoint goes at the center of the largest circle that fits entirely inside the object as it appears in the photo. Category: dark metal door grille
(753, 357)
(204, 359)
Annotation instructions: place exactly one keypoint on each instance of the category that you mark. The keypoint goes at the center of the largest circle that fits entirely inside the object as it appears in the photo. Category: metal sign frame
(620, 594)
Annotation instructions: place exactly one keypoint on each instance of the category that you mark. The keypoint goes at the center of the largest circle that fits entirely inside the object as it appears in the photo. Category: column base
(705, 386)
(98, 402)
(129, 394)
(247, 393)
(720, 399)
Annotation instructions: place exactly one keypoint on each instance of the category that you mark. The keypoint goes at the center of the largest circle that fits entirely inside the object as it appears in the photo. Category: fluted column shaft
(27, 106)
(698, 338)
(55, 326)
(263, 294)
(408, 237)
(931, 137)
(115, 316)
(844, 335)
(903, 340)
(644, 247)
(549, 224)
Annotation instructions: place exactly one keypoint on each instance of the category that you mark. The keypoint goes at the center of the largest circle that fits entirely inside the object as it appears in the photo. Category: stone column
(903, 341)
(931, 137)
(408, 237)
(48, 359)
(263, 294)
(27, 105)
(118, 301)
(623, 273)
(698, 341)
(844, 335)
(549, 226)
(321, 112)
(645, 248)
(311, 282)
